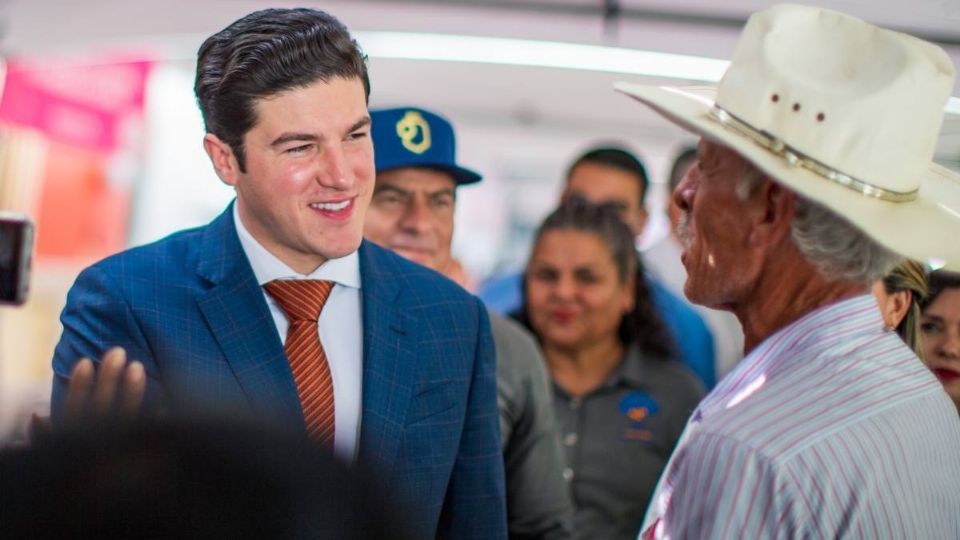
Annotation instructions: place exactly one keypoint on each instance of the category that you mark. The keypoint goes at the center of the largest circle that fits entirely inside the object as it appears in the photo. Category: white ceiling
(706, 27)
(562, 99)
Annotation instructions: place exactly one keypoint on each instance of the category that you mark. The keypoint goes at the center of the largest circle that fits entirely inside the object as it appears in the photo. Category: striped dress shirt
(830, 428)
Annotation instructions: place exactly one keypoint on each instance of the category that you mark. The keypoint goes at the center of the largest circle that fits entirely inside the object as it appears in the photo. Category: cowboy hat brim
(925, 229)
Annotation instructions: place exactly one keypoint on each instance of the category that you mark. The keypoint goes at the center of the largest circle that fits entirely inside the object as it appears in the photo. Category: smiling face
(940, 330)
(412, 214)
(715, 230)
(575, 295)
(309, 172)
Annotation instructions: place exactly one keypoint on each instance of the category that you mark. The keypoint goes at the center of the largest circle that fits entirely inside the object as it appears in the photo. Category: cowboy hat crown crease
(810, 77)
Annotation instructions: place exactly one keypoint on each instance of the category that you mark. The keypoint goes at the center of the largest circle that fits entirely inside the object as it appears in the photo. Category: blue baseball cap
(413, 137)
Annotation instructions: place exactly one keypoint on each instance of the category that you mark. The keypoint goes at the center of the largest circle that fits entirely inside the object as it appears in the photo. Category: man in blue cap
(412, 213)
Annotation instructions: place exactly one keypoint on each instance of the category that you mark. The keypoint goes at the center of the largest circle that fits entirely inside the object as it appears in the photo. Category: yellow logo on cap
(409, 128)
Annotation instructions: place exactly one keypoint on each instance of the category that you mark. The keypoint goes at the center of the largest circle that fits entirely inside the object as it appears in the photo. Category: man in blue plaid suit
(283, 93)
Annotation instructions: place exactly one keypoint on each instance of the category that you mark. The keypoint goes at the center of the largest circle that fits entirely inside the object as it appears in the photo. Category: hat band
(796, 158)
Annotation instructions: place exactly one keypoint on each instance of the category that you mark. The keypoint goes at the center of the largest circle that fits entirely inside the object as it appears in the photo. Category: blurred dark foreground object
(176, 480)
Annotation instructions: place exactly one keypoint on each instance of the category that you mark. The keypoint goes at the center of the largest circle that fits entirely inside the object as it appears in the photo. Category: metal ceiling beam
(610, 10)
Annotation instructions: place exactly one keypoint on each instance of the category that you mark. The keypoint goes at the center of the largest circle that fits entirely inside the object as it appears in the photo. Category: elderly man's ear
(772, 208)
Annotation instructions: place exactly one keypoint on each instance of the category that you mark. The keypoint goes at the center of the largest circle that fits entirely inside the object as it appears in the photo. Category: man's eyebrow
(309, 137)
(363, 122)
(293, 137)
(380, 188)
(443, 191)
(615, 203)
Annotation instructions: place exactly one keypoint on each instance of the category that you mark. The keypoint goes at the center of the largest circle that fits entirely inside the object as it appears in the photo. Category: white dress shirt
(340, 327)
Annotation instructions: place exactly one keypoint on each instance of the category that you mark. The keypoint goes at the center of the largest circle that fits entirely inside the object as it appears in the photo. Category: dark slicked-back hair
(617, 158)
(263, 54)
(642, 326)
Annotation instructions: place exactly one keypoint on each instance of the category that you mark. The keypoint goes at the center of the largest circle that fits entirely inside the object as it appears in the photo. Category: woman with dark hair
(940, 330)
(621, 398)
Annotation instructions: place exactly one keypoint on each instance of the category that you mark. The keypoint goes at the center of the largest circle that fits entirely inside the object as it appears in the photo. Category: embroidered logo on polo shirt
(638, 408)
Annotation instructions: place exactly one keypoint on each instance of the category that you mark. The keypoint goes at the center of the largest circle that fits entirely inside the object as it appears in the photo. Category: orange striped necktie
(301, 301)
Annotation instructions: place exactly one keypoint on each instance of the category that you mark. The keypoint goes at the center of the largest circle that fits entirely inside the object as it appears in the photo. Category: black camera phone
(16, 247)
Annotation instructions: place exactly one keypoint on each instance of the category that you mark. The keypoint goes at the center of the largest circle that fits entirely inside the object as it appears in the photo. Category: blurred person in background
(900, 295)
(620, 395)
(613, 175)
(412, 213)
(261, 311)
(940, 331)
(662, 260)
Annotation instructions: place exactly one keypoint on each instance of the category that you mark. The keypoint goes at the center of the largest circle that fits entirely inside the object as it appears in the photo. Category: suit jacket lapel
(238, 316)
(389, 358)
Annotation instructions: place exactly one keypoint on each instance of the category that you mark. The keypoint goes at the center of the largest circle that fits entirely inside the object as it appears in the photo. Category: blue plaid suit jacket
(189, 308)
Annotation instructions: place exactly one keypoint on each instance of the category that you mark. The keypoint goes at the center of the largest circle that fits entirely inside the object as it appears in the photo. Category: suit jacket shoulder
(190, 309)
(420, 286)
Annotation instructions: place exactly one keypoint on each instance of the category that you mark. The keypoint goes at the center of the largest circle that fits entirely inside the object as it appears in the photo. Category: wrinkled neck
(787, 290)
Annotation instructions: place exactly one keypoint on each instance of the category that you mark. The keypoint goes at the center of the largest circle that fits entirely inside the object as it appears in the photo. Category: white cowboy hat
(842, 112)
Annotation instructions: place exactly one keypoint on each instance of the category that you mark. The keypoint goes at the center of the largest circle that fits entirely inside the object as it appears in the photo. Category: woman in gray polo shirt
(621, 398)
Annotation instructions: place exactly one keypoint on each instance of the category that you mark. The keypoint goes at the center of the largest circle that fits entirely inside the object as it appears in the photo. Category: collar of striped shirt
(814, 332)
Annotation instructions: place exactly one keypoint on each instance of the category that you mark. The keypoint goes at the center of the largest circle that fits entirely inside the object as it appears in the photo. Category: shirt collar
(817, 331)
(632, 371)
(344, 271)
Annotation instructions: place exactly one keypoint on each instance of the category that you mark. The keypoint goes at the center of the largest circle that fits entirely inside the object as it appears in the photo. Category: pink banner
(84, 104)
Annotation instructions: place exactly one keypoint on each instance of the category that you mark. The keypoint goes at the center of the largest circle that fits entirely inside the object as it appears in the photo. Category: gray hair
(836, 248)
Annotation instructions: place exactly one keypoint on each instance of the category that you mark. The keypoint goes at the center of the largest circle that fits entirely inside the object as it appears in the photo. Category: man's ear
(223, 159)
(774, 208)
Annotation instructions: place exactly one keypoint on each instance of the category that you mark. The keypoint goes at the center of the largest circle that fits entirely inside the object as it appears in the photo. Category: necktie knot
(300, 299)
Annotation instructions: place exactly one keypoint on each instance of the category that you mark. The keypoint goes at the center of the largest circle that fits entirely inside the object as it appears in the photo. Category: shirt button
(568, 474)
(570, 439)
